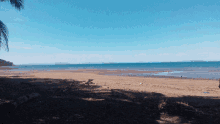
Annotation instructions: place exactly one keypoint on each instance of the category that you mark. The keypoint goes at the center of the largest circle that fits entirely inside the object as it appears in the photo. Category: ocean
(205, 70)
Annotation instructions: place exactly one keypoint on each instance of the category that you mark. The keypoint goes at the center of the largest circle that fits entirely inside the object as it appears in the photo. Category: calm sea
(208, 70)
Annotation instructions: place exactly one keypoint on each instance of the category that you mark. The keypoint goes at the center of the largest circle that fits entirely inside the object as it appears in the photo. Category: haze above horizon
(122, 31)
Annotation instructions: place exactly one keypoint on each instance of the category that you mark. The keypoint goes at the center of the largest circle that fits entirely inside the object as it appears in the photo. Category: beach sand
(171, 87)
(168, 93)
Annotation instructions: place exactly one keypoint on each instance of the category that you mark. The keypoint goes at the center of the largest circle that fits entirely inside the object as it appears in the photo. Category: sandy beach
(185, 94)
(171, 87)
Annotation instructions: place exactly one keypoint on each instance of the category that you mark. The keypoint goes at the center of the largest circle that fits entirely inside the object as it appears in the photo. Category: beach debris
(89, 82)
(205, 92)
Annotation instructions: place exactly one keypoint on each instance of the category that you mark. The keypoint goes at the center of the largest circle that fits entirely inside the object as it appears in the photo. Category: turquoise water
(210, 70)
(123, 65)
(165, 73)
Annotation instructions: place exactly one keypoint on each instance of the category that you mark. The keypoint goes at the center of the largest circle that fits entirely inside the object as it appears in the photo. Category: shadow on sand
(69, 101)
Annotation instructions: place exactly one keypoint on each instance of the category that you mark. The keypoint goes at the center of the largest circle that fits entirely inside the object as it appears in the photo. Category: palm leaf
(18, 4)
(4, 33)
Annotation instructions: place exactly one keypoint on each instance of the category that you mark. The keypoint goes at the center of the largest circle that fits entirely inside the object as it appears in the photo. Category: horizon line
(66, 63)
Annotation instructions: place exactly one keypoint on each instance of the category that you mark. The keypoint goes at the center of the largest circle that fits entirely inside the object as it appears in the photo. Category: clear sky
(96, 31)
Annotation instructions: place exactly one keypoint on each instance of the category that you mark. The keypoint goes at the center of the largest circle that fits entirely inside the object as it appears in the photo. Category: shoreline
(107, 72)
(171, 87)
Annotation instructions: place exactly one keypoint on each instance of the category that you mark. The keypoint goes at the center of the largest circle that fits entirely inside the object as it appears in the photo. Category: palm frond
(18, 4)
(4, 33)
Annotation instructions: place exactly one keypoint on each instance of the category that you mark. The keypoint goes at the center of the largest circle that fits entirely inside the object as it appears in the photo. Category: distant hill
(5, 63)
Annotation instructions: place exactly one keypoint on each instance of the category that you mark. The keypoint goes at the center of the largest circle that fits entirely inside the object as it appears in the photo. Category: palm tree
(18, 4)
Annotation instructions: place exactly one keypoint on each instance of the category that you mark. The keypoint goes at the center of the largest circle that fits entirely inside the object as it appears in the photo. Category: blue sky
(85, 31)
